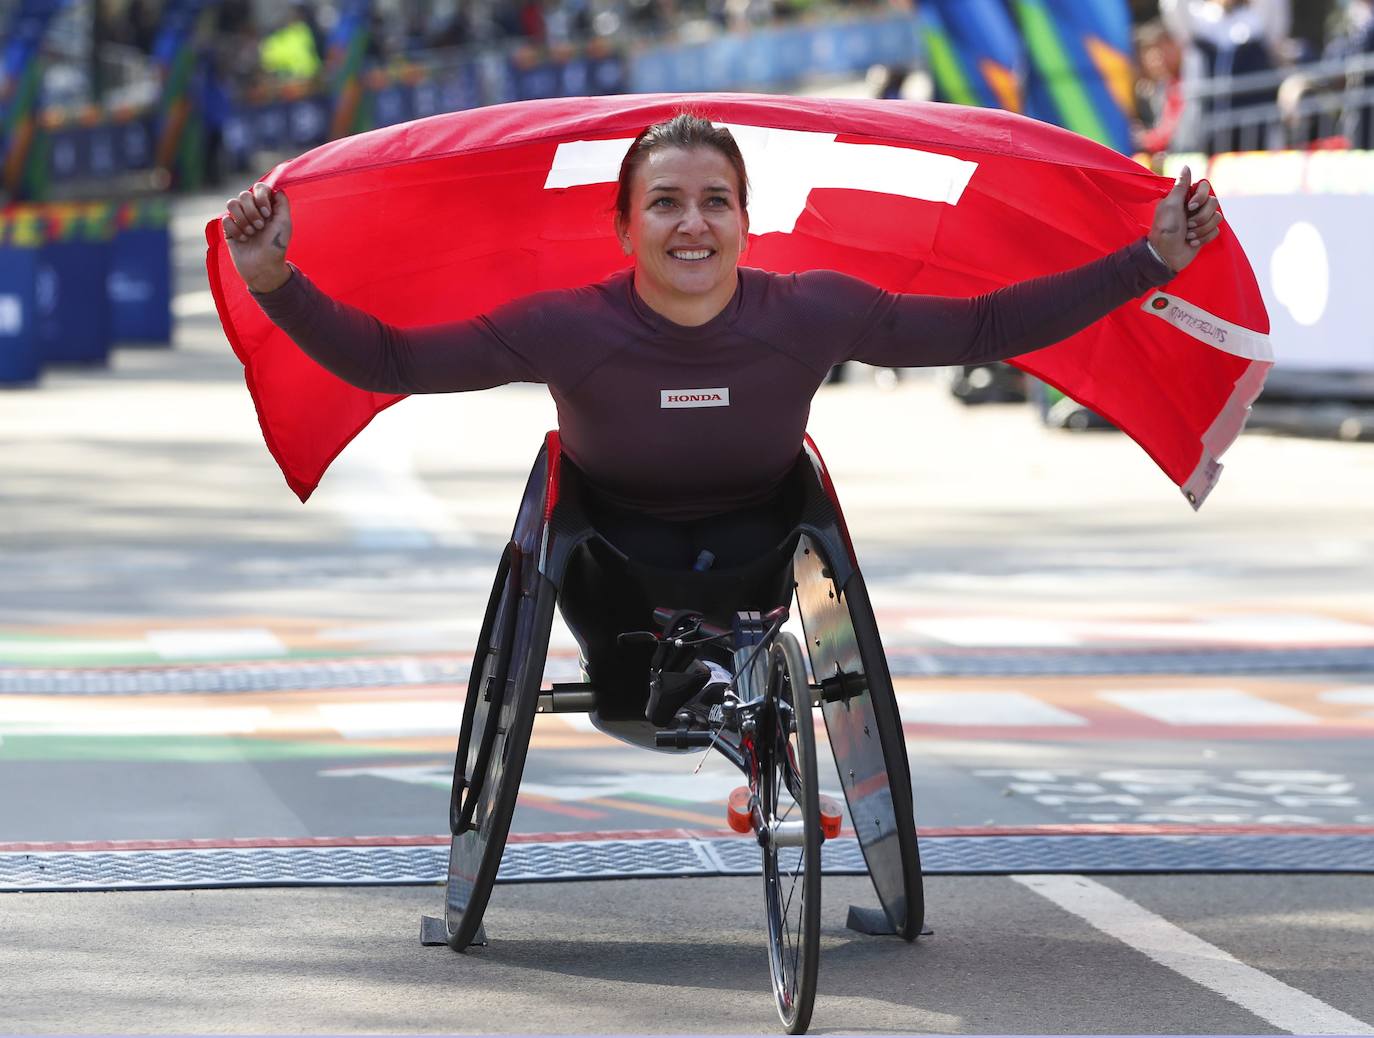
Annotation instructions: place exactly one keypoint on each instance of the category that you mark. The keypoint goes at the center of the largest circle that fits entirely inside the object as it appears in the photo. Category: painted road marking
(1266, 630)
(657, 810)
(386, 504)
(189, 643)
(1360, 696)
(34, 716)
(1075, 707)
(420, 635)
(708, 787)
(193, 304)
(376, 490)
(1012, 709)
(412, 774)
(208, 643)
(393, 719)
(996, 631)
(1183, 795)
(43, 649)
(1219, 971)
(581, 801)
(1200, 706)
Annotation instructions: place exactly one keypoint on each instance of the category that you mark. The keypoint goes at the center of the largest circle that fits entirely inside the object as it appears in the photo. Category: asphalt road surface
(1155, 669)
(1172, 955)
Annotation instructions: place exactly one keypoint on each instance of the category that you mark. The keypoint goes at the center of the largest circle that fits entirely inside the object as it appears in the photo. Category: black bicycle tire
(796, 1015)
(504, 646)
(538, 609)
(464, 787)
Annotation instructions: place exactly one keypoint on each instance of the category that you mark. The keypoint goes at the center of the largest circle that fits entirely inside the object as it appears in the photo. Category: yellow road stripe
(700, 818)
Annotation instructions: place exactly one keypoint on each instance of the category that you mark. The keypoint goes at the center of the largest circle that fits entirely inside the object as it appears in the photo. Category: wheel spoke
(801, 859)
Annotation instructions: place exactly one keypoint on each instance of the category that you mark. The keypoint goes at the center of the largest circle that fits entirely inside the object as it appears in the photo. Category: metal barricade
(1292, 107)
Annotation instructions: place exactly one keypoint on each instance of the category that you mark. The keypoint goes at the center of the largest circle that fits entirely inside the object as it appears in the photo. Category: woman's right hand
(257, 228)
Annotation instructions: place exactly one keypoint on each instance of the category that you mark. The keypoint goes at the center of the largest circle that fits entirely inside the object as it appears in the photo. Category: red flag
(447, 217)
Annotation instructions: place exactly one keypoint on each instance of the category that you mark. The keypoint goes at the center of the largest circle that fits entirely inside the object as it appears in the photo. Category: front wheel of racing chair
(789, 805)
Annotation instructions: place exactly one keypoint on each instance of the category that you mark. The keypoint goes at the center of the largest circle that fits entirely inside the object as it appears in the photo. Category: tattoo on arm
(277, 242)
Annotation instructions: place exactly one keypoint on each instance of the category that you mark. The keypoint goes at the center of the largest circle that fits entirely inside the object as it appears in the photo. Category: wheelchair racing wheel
(790, 808)
(486, 688)
(498, 716)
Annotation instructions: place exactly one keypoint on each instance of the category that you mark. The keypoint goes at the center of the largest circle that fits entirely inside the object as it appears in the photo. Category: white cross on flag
(784, 166)
(450, 216)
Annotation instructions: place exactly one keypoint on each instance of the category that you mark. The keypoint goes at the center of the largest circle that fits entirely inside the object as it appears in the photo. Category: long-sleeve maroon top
(683, 422)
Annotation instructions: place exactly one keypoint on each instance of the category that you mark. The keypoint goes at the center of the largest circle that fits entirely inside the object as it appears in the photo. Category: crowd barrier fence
(1289, 107)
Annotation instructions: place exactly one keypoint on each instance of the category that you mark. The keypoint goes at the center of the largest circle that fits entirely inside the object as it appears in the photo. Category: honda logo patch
(694, 398)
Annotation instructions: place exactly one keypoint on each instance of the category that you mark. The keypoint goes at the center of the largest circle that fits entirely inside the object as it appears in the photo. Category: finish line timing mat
(381, 861)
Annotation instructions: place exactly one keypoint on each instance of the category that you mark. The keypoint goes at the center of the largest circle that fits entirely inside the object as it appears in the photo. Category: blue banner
(20, 238)
(1097, 35)
(139, 285)
(775, 57)
(993, 58)
(73, 316)
(101, 152)
(284, 126)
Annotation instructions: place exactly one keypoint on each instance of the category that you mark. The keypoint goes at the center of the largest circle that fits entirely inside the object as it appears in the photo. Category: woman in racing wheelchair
(683, 385)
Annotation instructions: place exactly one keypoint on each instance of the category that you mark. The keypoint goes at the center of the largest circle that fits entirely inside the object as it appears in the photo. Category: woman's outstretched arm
(350, 343)
(916, 330)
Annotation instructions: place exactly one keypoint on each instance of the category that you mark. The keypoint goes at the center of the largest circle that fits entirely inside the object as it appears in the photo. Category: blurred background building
(126, 102)
(146, 94)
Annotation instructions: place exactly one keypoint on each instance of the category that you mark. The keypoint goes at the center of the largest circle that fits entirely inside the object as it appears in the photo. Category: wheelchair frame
(851, 684)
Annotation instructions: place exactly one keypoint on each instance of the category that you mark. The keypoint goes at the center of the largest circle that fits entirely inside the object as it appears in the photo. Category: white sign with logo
(1312, 254)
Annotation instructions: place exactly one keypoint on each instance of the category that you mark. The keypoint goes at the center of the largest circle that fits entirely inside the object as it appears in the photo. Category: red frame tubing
(553, 451)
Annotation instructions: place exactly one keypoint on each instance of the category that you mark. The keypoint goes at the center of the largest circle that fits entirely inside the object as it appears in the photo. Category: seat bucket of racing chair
(604, 593)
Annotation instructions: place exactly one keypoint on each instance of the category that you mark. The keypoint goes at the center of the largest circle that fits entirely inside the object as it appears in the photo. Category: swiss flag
(447, 217)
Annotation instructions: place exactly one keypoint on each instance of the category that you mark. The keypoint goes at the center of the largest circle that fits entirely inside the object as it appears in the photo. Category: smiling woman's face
(686, 230)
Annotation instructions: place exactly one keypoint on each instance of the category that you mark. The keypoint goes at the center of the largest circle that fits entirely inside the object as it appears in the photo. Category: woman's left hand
(1183, 225)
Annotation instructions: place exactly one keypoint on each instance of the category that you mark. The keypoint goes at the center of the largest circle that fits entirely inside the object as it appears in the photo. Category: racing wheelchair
(761, 719)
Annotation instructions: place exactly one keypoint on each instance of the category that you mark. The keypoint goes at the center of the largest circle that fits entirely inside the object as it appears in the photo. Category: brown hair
(686, 131)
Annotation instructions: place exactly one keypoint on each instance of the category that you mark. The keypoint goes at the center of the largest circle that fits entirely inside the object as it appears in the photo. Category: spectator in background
(1355, 43)
(378, 49)
(520, 19)
(304, 11)
(887, 81)
(650, 17)
(290, 51)
(1159, 90)
(566, 21)
(741, 15)
(141, 25)
(456, 30)
(1225, 38)
(1346, 120)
